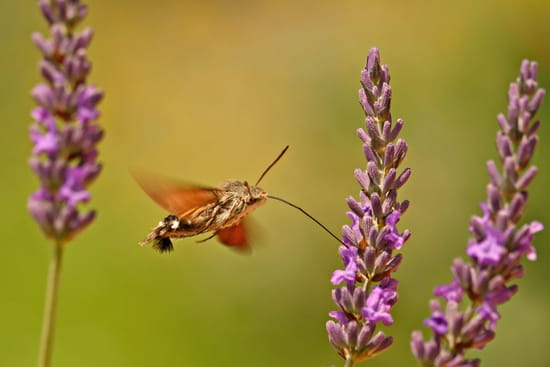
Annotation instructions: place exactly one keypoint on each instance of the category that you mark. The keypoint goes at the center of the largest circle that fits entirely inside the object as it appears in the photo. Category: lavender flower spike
(498, 243)
(65, 135)
(369, 292)
(63, 132)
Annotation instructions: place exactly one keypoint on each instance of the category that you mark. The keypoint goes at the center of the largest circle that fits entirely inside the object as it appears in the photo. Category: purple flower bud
(336, 335)
(380, 263)
(403, 178)
(382, 105)
(396, 129)
(44, 96)
(504, 145)
(417, 345)
(389, 157)
(494, 175)
(517, 207)
(352, 234)
(390, 203)
(536, 101)
(503, 123)
(363, 136)
(376, 345)
(372, 129)
(526, 150)
(47, 11)
(376, 205)
(400, 151)
(524, 181)
(362, 178)
(389, 180)
(402, 207)
(386, 131)
(365, 335)
(355, 207)
(369, 153)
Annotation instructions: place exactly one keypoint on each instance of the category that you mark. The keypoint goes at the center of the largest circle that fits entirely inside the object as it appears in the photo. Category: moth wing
(175, 197)
(234, 237)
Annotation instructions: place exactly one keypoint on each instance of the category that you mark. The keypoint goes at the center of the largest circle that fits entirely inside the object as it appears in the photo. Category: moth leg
(208, 238)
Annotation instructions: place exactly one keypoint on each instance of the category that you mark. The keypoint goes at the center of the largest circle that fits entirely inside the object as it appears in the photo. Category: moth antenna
(307, 214)
(271, 165)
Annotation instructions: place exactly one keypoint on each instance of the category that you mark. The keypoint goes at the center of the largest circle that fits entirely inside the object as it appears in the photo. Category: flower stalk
(50, 308)
(64, 135)
(498, 244)
(369, 292)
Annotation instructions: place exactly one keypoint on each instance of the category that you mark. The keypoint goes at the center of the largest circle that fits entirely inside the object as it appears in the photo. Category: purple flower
(525, 239)
(64, 132)
(450, 292)
(378, 305)
(369, 292)
(490, 250)
(349, 256)
(394, 238)
(438, 323)
(498, 243)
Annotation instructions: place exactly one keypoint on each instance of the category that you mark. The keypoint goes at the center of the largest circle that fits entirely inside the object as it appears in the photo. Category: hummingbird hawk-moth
(196, 210)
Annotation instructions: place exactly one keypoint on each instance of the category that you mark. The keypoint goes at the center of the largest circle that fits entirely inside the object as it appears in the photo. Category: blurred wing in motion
(175, 197)
(234, 237)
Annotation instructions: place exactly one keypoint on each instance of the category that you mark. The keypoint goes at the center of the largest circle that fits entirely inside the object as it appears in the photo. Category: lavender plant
(65, 135)
(369, 292)
(498, 244)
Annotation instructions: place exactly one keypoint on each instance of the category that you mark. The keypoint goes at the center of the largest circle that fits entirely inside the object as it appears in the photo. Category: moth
(195, 210)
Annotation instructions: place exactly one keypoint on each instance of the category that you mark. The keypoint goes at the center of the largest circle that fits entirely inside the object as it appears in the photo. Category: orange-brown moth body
(195, 210)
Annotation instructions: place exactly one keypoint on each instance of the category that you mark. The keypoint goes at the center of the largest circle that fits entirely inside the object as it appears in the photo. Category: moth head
(255, 195)
(251, 195)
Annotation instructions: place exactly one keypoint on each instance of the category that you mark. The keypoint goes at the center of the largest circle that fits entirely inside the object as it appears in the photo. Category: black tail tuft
(163, 245)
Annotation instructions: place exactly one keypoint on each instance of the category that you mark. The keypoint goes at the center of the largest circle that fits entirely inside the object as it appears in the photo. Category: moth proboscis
(196, 209)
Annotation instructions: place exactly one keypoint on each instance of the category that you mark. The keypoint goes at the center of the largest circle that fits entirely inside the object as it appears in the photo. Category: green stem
(48, 325)
(349, 362)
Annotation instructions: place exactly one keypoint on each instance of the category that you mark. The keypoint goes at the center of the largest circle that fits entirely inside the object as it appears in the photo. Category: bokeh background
(210, 90)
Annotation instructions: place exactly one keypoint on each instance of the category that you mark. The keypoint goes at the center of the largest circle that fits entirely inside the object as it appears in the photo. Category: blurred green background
(210, 90)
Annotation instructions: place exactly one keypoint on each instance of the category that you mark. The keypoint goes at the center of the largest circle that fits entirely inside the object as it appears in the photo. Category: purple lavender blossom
(498, 243)
(63, 132)
(369, 292)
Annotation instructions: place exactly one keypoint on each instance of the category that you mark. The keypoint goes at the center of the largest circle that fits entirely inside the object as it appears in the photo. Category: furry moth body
(196, 210)
(222, 212)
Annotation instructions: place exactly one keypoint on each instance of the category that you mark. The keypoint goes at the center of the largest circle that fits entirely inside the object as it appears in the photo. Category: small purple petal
(450, 292)
(438, 323)
(489, 313)
(349, 257)
(490, 250)
(44, 143)
(378, 305)
(339, 316)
